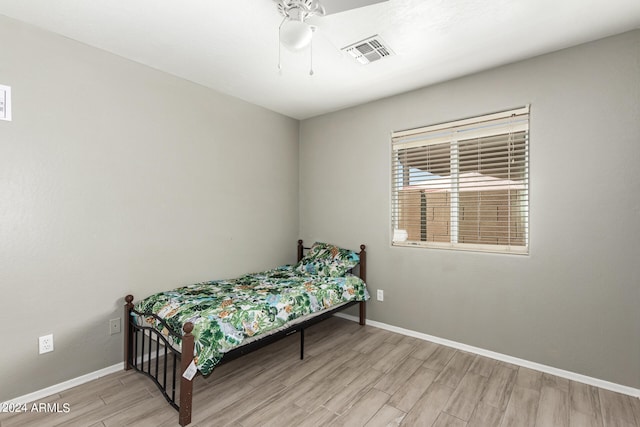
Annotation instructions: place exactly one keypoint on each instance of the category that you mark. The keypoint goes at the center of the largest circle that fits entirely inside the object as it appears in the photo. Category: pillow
(324, 259)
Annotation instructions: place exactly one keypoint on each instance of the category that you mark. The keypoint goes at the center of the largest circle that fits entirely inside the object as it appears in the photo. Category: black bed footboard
(150, 353)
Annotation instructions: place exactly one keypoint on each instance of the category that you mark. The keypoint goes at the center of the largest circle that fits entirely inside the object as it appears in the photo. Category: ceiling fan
(295, 33)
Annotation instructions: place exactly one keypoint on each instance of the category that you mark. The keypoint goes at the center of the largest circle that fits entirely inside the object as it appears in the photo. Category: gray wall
(573, 303)
(115, 179)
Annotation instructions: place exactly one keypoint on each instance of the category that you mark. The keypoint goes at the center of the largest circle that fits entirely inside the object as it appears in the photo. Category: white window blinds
(463, 184)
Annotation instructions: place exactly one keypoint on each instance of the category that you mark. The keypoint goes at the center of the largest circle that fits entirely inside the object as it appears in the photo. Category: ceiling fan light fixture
(295, 35)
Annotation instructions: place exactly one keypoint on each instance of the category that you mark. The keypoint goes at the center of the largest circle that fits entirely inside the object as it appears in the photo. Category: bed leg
(363, 313)
(128, 333)
(186, 386)
(300, 250)
(363, 263)
(302, 344)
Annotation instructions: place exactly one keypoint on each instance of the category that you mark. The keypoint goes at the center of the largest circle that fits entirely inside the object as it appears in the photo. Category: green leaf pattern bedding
(225, 312)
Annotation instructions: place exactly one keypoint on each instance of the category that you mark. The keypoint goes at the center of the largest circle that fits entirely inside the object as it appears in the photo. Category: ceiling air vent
(368, 50)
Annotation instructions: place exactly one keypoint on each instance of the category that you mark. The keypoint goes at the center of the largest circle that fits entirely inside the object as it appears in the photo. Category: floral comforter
(225, 312)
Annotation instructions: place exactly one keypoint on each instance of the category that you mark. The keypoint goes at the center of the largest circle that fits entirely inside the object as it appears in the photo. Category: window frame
(476, 127)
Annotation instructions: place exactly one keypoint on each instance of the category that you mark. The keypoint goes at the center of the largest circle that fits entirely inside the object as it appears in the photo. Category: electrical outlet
(114, 326)
(45, 343)
(380, 295)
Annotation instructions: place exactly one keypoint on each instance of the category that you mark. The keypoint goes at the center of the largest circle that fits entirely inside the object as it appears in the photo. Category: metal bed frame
(147, 351)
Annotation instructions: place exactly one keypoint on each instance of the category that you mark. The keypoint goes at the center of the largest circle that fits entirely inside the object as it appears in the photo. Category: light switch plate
(5, 103)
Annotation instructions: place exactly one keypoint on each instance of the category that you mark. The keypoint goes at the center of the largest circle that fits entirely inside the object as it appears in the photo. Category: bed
(174, 335)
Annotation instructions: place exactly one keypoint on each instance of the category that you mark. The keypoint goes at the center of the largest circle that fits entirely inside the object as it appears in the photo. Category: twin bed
(172, 336)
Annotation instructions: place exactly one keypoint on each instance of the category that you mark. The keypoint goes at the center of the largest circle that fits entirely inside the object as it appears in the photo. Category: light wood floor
(351, 376)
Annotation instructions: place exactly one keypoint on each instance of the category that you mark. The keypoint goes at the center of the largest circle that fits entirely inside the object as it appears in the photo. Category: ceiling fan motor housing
(300, 10)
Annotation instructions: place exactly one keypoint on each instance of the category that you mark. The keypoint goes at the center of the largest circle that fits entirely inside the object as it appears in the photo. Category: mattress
(229, 313)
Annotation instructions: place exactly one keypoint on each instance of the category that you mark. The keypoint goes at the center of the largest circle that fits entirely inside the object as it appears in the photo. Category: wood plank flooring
(351, 376)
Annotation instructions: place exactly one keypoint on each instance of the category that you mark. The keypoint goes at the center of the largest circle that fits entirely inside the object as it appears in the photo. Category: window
(463, 185)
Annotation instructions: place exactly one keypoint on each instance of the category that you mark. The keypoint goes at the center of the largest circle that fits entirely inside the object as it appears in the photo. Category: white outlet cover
(45, 343)
(114, 326)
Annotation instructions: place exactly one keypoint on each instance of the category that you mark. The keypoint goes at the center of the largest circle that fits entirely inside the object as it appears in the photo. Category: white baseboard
(45, 392)
(57, 388)
(503, 357)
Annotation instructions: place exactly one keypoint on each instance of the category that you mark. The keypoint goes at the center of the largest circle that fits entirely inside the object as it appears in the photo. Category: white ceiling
(232, 46)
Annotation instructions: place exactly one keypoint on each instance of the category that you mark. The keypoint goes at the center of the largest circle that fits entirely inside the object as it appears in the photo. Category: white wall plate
(5, 103)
